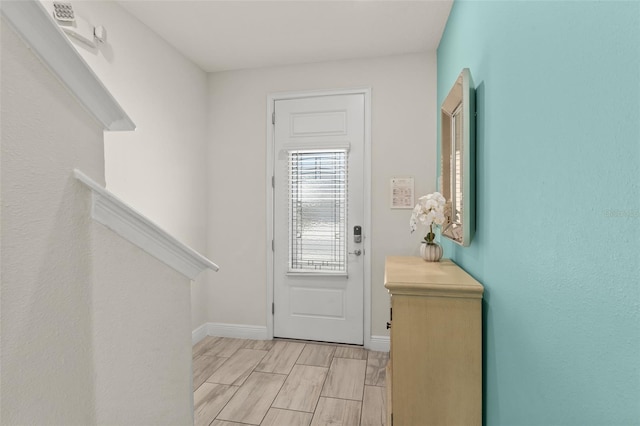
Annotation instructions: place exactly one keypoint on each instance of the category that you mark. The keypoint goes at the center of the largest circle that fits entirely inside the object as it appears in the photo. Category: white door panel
(318, 199)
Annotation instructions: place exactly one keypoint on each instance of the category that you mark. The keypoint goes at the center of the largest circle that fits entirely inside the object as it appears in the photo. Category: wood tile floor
(287, 383)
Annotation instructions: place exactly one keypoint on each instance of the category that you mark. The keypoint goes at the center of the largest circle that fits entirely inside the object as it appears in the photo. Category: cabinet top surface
(412, 275)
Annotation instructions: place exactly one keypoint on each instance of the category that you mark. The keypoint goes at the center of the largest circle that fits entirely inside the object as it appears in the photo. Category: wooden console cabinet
(434, 375)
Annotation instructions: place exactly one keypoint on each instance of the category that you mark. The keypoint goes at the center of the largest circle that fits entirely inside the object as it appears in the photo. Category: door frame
(271, 98)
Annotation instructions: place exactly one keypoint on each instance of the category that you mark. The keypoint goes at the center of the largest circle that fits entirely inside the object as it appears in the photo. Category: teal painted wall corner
(557, 243)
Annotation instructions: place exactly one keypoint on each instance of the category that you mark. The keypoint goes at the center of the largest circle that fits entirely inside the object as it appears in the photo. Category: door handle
(357, 252)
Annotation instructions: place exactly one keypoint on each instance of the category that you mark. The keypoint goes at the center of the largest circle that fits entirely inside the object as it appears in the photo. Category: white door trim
(366, 91)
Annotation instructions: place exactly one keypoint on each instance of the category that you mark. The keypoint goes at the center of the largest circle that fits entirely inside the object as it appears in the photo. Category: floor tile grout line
(271, 403)
(341, 399)
(237, 388)
(364, 384)
(292, 410)
(332, 359)
(285, 381)
(314, 365)
(216, 416)
(214, 372)
(299, 355)
(326, 376)
(234, 393)
(253, 370)
(221, 365)
(294, 363)
(205, 355)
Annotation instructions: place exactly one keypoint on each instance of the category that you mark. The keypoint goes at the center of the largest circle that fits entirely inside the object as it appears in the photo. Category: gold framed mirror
(457, 160)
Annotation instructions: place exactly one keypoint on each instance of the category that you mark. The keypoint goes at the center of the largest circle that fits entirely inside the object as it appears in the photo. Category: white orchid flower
(428, 211)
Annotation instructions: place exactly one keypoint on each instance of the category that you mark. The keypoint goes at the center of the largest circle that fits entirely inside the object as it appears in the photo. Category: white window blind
(317, 211)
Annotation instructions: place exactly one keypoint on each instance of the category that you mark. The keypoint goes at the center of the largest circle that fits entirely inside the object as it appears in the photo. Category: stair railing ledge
(136, 228)
(38, 29)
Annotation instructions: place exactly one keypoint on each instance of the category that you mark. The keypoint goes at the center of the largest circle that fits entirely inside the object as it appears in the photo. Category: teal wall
(557, 244)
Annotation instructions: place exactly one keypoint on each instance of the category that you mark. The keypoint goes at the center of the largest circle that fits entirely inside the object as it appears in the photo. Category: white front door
(318, 214)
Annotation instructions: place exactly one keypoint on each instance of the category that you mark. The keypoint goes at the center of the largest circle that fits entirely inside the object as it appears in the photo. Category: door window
(317, 211)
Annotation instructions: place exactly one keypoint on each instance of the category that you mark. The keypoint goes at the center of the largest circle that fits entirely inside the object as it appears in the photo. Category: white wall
(160, 168)
(403, 144)
(94, 331)
(141, 335)
(47, 355)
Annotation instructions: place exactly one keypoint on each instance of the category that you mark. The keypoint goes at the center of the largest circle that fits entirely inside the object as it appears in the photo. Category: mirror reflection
(456, 150)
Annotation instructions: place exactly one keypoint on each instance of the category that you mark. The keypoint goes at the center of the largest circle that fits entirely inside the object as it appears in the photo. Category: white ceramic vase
(431, 252)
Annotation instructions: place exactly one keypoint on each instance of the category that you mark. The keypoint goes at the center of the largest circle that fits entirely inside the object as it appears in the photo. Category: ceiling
(231, 35)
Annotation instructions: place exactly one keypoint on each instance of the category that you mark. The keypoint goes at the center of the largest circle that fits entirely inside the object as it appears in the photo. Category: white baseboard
(199, 334)
(379, 343)
(256, 332)
(238, 331)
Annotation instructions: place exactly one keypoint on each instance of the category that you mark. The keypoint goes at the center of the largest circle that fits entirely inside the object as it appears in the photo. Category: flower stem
(430, 237)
